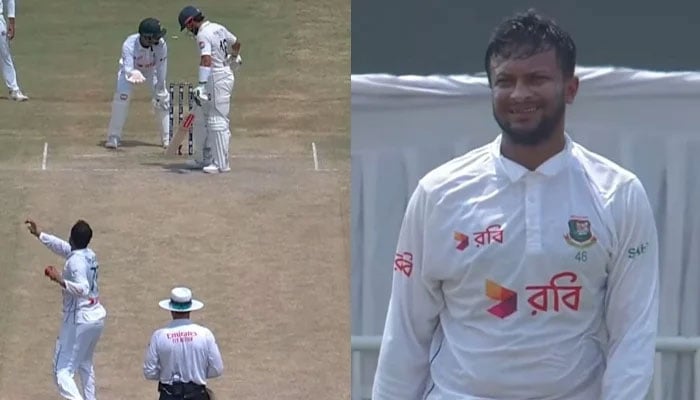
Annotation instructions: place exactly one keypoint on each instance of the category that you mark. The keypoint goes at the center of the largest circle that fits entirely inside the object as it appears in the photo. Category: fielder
(7, 33)
(526, 268)
(144, 59)
(83, 315)
(182, 355)
(219, 50)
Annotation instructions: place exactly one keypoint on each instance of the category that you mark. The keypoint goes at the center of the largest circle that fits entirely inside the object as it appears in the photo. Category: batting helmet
(186, 15)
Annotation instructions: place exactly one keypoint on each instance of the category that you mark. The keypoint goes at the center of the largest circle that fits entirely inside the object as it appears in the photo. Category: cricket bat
(180, 135)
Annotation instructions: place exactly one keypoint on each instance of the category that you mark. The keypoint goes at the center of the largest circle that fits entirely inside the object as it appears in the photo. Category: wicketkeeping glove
(162, 101)
(136, 77)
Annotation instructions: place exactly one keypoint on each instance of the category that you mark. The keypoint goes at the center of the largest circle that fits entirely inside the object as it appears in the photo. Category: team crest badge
(580, 234)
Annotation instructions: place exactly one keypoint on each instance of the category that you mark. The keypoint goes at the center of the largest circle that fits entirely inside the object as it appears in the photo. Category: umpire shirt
(182, 352)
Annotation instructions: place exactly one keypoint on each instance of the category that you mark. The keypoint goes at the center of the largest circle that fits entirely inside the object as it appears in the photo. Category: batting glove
(200, 94)
(234, 62)
(230, 59)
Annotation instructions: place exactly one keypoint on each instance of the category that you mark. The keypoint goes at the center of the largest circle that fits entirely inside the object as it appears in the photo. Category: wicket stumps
(180, 110)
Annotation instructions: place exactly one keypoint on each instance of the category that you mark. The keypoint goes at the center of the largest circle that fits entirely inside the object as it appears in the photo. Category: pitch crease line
(45, 156)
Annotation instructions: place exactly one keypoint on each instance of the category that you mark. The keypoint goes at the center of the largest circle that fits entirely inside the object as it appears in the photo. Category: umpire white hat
(181, 301)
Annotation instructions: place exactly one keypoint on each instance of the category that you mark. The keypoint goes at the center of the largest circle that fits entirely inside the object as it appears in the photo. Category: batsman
(144, 59)
(219, 56)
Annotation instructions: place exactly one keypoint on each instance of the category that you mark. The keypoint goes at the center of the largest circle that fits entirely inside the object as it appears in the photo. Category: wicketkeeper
(144, 59)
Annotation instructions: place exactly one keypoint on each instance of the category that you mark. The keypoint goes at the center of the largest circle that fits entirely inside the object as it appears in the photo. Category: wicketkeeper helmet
(150, 27)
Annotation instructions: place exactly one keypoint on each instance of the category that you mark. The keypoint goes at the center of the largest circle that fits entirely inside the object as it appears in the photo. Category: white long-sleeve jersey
(517, 284)
(182, 352)
(81, 296)
(145, 59)
(10, 8)
(215, 40)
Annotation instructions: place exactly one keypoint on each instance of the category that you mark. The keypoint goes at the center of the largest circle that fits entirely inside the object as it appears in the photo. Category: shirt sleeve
(128, 56)
(204, 45)
(231, 38)
(413, 313)
(55, 244)
(151, 365)
(215, 365)
(10, 8)
(76, 281)
(632, 298)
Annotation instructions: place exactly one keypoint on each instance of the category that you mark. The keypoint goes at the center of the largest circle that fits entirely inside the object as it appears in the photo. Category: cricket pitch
(266, 246)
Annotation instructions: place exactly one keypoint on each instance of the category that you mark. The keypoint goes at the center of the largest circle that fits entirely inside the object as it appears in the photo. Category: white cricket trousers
(122, 99)
(75, 348)
(8, 67)
(216, 114)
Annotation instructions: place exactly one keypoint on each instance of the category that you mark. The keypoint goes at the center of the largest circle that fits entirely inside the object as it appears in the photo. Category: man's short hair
(81, 234)
(527, 34)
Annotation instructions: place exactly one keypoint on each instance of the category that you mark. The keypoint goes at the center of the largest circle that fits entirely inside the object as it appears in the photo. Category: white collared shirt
(215, 40)
(182, 352)
(145, 59)
(473, 311)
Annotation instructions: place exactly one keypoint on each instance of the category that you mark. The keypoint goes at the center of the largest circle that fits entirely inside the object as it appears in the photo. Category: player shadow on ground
(129, 143)
(174, 167)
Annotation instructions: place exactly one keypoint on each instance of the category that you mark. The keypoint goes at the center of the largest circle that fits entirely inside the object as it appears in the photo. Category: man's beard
(539, 134)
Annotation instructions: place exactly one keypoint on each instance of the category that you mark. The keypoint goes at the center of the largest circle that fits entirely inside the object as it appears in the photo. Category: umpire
(182, 355)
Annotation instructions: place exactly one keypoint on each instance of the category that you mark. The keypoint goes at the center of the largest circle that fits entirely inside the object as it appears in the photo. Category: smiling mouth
(523, 111)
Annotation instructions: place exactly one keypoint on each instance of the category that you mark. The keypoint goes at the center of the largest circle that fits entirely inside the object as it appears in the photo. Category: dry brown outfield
(266, 247)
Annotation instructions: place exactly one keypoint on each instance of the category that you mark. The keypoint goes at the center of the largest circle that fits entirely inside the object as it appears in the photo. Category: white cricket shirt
(182, 352)
(215, 40)
(81, 296)
(516, 284)
(10, 8)
(145, 59)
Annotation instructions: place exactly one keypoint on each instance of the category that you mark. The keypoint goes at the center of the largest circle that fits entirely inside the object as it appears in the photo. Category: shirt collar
(76, 251)
(179, 322)
(515, 171)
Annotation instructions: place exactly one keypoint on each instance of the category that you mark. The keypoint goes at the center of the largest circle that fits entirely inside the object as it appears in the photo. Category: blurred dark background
(450, 36)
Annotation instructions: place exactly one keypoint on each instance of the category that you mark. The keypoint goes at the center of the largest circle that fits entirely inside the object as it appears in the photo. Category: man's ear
(571, 89)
